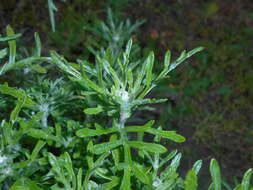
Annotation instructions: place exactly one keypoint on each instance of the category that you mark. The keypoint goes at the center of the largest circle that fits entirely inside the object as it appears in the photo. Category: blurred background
(210, 96)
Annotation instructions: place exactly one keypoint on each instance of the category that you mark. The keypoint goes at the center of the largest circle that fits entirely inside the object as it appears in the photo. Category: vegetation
(88, 126)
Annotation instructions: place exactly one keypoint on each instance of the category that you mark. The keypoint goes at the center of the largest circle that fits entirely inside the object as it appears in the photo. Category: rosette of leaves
(119, 90)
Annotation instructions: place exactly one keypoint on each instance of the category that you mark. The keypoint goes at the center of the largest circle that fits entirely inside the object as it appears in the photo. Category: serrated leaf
(93, 111)
(191, 181)
(105, 147)
(94, 132)
(151, 147)
(215, 174)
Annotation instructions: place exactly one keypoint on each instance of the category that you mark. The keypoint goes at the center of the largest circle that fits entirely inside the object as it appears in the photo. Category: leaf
(115, 152)
(148, 101)
(151, 147)
(10, 37)
(52, 8)
(172, 135)
(25, 184)
(194, 51)
(246, 179)
(215, 173)
(142, 128)
(197, 166)
(15, 112)
(141, 174)
(110, 185)
(37, 149)
(40, 134)
(93, 111)
(38, 44)
(104, 147)
(168, 157)
(126, 181)
(3, 53)
(191, 181)
(149, 67)
(94, 132)
(171, 169)
(12, 46)
(63, 65)
(17, 93)
(167, 59)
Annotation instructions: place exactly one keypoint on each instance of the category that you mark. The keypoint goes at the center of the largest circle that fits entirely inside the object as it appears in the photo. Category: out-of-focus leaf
(93, 111)
(104, 147)
(191, 181)
(126, 181)
(197, 166)
(151, 147)
(215, 173)
(94, 132)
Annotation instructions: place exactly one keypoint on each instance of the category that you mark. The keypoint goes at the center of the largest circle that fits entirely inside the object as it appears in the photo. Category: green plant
(109, 152)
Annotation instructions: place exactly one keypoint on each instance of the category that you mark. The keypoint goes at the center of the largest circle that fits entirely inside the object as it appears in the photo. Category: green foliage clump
(44, 145)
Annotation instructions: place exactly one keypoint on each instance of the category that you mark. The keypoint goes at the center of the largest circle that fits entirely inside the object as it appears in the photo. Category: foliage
(108, 152)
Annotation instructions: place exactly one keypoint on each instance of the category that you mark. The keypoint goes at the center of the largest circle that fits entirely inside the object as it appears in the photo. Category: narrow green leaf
(172, 135)
(191, 181)
(12, 46)
(94, 132)
(147, 101)
(197, 166)
(115, 152)
(215, 173)
(151, 147)
(141, 174)
(110, 185)
(149, 68)
(246, 179)
(11, 37)
(17, 109)
(37, 149)
(79, 179)
(52, 8)
(194, 51)
(93, 111)
(104, 147)
(3, 53)
(38, 44)
(25, 184)
(17, 93)
(168, 157)
(126, 182)
(142, 128)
